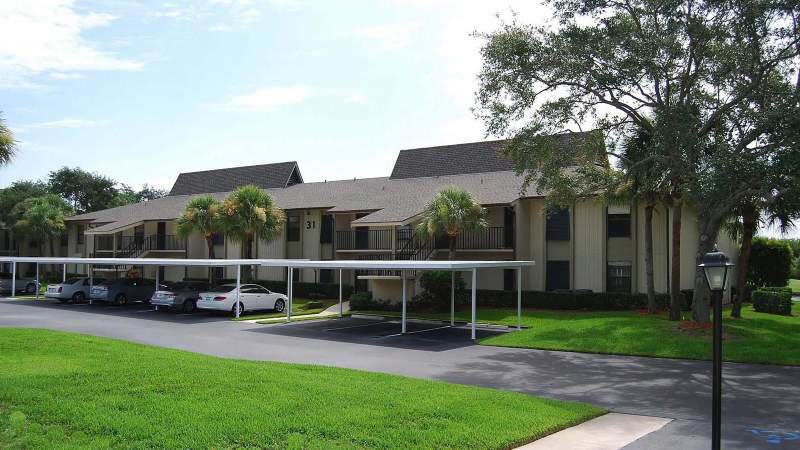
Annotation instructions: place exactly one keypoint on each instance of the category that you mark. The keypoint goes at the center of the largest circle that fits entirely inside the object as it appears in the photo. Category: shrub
(773, 301)
(770, 262)
(436, 290)
(364, 301)
(314, 304)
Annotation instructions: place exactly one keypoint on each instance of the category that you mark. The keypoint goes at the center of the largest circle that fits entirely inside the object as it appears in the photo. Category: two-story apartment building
(590, 246)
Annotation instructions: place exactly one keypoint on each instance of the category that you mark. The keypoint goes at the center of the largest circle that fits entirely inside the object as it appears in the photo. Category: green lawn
(63, 390)
(795, 285)
(299, 308)
(757, 337)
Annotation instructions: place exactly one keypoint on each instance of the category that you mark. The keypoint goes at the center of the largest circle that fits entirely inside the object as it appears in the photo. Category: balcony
(136, 246)
(364, 240)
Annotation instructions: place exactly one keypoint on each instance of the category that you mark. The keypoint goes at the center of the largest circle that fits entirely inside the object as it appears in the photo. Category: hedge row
(536, 299)
(773, 301)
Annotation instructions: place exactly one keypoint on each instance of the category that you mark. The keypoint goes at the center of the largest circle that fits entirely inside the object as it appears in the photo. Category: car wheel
(190, 305)
(241, 309)
(121, 299)
(30, 288)
(78, 297)
(280, 305)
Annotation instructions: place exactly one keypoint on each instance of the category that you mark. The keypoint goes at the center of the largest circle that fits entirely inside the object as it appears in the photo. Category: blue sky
(141, 92)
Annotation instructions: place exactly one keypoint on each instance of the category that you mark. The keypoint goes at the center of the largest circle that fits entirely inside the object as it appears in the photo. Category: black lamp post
(715, 266)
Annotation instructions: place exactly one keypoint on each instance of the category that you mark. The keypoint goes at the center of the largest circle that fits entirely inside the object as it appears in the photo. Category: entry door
(362, 235)
(508, 228)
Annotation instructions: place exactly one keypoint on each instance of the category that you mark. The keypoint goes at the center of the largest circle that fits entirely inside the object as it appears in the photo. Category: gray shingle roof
(265, 176)
(388, 200)
(474, 157)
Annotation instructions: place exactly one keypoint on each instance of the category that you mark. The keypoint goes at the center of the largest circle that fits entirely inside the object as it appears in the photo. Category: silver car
(75, 289)
(25, 285)
(181, 295)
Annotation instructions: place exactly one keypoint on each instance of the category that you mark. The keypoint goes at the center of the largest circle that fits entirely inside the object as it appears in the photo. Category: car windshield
(223, 288)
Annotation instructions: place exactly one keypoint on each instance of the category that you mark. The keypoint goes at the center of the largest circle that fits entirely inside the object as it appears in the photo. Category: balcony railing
(135, 246)
(491, 238)
(363, 240)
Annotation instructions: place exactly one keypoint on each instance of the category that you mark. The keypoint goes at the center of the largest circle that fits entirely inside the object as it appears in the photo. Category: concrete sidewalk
(608, 432)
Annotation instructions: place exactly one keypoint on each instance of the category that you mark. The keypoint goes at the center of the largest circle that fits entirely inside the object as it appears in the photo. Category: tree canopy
(714, 85)
(8, 147)
(451, 212)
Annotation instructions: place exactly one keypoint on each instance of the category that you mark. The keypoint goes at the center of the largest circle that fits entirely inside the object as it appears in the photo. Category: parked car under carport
(124, 290)
(23, 285)
(182, 295)
(75, 289)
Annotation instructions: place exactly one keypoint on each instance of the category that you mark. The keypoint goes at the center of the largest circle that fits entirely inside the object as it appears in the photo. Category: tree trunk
(210, 244)
(452, 245)
(708, 228)
(52, 253)
(247, 253)
(648, 256)
(748, 230)
(675, 295)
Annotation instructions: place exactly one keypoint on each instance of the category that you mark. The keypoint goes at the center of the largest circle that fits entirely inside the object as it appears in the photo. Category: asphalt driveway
(760, 405)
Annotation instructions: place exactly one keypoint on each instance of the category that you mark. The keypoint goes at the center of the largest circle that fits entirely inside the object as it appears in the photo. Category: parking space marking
(362, 325)
(418, 331)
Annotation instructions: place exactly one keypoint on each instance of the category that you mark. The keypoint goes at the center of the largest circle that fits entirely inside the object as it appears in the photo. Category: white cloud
(390, 36)
(39, 37)
(269, 99)
(61, 123)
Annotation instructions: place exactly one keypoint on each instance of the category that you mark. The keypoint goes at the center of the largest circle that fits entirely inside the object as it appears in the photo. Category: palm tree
(8, 146)
(249, 213)
(201, 215)
(451, 212)
(647, 182)
(42, 219)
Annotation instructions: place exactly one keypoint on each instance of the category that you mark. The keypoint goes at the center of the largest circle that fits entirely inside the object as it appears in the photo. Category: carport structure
(404, 266)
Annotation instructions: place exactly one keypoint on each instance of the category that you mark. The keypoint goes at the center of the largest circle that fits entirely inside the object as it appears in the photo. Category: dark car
(124, 290)
(182, 295)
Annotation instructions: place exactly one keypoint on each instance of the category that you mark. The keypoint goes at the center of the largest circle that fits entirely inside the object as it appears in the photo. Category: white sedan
(251, 297)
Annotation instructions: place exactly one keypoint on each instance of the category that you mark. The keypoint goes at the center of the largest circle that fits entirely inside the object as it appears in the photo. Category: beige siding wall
(275, 249)
(589, 246)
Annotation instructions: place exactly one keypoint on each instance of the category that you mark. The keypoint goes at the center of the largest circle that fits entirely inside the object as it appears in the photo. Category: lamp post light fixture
(715, 267)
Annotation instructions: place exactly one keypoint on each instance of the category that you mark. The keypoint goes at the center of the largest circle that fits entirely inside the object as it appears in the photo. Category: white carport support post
(519, 298)
(341, 309)
(474, 295)
(158, 282)
(452, 298)
(13, 278)
(91, 281)
(238, 289)
(64, 274)
(289, 294)
(403, 280)
(37, 281)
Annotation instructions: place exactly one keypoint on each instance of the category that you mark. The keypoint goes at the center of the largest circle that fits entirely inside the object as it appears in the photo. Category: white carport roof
(402, 265)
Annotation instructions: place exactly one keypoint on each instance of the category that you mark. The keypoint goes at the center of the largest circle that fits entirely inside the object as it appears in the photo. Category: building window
(295, 275)
(326, 232)
(326, 275)
(619, 225)
(509, 277)
(218, 239)
(218, 273)
(557, 277)
(558, 225)
(293, 228)
(81, 237)
(618, 277)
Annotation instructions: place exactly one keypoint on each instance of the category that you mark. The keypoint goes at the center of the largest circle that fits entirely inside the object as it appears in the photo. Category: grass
(64, 390)
(756, 338)
(299, 308)
(795, 285)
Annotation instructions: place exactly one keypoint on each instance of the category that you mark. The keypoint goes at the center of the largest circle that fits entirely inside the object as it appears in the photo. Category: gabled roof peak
(266, 176)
